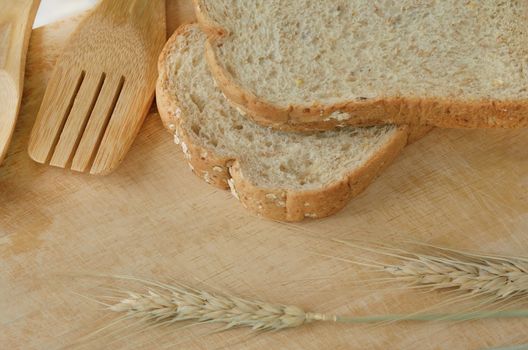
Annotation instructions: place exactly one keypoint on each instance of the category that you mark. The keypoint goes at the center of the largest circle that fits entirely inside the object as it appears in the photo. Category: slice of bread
(307, 64)
(280, 175)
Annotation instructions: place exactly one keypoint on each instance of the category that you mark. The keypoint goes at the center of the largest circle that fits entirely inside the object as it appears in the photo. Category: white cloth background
(53, 10)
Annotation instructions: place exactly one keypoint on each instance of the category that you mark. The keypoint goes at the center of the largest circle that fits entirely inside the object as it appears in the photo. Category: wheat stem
(468, 316)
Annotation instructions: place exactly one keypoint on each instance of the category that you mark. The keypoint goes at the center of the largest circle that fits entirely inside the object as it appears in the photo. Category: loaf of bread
(279, 175)
(307, 64)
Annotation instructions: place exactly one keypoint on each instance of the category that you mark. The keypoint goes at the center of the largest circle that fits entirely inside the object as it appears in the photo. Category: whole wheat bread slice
(306, 64)
(280, 175)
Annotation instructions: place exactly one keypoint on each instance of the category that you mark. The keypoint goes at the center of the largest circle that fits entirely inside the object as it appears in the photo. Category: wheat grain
(497, 277)
(179, 303)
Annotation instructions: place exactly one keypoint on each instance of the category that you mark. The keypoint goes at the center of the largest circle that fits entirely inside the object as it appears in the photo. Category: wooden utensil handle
(138, 6)
(16, 19)
(6, 28)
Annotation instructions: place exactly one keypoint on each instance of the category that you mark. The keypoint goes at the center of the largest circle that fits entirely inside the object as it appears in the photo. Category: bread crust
(440, 112)
(274, 203)
(292, 205)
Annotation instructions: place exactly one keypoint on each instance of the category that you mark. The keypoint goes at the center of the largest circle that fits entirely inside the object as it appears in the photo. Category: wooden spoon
(101, 88)
(16, 19)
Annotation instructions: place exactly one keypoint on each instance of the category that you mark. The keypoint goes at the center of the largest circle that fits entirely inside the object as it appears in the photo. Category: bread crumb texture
(325, 52)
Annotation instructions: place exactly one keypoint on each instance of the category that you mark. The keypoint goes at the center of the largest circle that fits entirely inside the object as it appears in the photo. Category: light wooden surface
(16, 18)
(153, 218)
(102, 88)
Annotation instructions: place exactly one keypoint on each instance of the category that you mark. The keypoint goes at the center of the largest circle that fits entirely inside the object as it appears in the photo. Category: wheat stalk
(162, 304)
(497, 277)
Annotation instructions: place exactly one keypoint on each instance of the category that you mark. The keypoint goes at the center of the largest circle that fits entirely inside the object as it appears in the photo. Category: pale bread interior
(268, 158)
(308, 52)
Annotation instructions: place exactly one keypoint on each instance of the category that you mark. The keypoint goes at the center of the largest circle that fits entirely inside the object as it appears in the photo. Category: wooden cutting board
(153, 218)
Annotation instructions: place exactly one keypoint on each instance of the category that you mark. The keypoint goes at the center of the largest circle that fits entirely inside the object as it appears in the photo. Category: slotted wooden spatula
(102, 87)
(16, 18)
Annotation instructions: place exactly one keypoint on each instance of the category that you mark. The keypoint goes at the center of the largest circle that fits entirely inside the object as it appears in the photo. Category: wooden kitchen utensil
(102, 87)
(16, 19)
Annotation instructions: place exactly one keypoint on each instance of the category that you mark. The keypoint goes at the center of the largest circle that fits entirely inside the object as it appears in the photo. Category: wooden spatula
(102, 87)
(16, 19)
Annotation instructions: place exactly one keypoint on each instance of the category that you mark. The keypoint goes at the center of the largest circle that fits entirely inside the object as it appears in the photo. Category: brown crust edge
(445, 113)
(289, 205)
(277, 204)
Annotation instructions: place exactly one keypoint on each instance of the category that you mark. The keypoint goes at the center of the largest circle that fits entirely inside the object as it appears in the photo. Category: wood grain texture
(102, 87)
(154, 218)
(16, 19)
